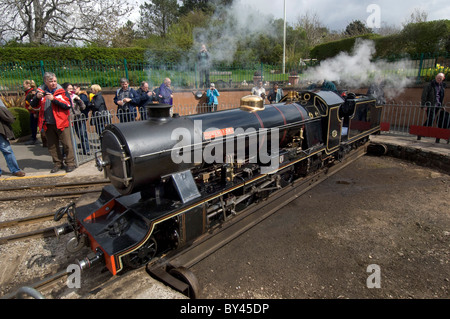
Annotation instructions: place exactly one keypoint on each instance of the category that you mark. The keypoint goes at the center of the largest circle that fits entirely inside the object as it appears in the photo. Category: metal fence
(397, 118)
(86, 132)
(107, 73)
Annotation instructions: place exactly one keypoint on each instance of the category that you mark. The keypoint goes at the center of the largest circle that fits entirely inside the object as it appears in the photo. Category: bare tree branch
(40, 21)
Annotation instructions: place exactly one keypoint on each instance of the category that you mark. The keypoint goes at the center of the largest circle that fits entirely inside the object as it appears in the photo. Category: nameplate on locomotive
(218, 133)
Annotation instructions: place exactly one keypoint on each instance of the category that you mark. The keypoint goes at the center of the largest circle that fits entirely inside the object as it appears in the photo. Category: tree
(207, 6)
(423, 37)
(124, 36)
(315, 31)
(416, 16)
(355, 28)
(181, 34)
(157, 16)
(58, 21)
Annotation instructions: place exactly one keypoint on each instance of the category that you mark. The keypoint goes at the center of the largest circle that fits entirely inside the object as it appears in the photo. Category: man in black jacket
(433, 99)
(6, 133)
(145, 96)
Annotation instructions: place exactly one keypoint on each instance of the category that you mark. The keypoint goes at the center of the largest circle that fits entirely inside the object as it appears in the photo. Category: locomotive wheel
(143, 255)
(188, 277)
(286, 178)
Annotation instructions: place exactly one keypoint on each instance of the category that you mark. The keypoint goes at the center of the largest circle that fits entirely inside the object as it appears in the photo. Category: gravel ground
(379, 212)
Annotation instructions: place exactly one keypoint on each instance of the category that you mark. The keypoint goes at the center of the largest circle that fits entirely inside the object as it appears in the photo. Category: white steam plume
(356, 70)
(230, 25)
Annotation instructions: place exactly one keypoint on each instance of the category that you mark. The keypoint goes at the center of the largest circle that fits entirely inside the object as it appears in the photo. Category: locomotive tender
(174, 178)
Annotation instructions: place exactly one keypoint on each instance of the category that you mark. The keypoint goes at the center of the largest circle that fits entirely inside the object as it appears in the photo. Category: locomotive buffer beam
(232, 228)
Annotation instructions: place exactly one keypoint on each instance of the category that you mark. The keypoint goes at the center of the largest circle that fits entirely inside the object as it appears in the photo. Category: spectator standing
(145, 96)
(100, 116)
(126, 100)
(54, 113)
(211, 95)
(30, 90)
(6, 133)
(275, 94)
(165, 92)
(77, 118)
(203, 66)
(433, 99)
(259, 90)
(84, 97)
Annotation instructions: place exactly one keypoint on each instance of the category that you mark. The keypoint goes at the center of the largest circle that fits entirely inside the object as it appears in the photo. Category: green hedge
(415, 38)
(21, 126)
(331, 49)
(9, 55)
(430, 36)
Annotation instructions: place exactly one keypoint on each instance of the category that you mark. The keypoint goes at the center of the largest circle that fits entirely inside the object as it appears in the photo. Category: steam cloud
(237, 22)
(356, 70)
(229, 26)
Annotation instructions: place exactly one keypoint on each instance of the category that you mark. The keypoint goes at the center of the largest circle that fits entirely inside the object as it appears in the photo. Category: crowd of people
(53, 107)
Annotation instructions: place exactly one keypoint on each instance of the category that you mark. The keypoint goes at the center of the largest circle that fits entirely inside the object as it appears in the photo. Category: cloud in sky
(336, 15)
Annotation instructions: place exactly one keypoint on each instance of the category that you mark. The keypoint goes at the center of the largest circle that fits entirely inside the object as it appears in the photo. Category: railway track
(26, 222)
(64, 191)
(55, 186)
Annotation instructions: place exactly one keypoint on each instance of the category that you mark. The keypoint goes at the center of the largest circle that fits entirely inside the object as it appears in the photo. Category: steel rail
(27, 220)
(56, 186)
(39, 233)
(53, 194)
(42, 284)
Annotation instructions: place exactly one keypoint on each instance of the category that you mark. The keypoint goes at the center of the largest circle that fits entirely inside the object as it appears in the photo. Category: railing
(400, 117)
(107, 73)
(86, 131)
(397, 118)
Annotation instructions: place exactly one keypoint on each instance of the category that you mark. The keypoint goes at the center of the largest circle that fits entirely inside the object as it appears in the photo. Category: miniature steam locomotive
(174, 178)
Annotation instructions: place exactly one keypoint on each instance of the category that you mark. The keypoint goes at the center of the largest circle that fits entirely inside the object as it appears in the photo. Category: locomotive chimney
(159, 112)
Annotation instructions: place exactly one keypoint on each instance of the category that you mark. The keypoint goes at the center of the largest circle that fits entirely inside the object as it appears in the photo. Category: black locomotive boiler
(174, 178)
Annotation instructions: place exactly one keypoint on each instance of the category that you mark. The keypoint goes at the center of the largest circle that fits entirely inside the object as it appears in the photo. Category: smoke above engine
(240, 22)
(358, 69)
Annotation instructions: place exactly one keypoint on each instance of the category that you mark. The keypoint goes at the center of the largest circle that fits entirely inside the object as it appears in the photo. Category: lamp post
(284, 40)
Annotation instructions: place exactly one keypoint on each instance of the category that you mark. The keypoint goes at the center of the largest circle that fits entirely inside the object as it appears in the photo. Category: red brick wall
(232, 97)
